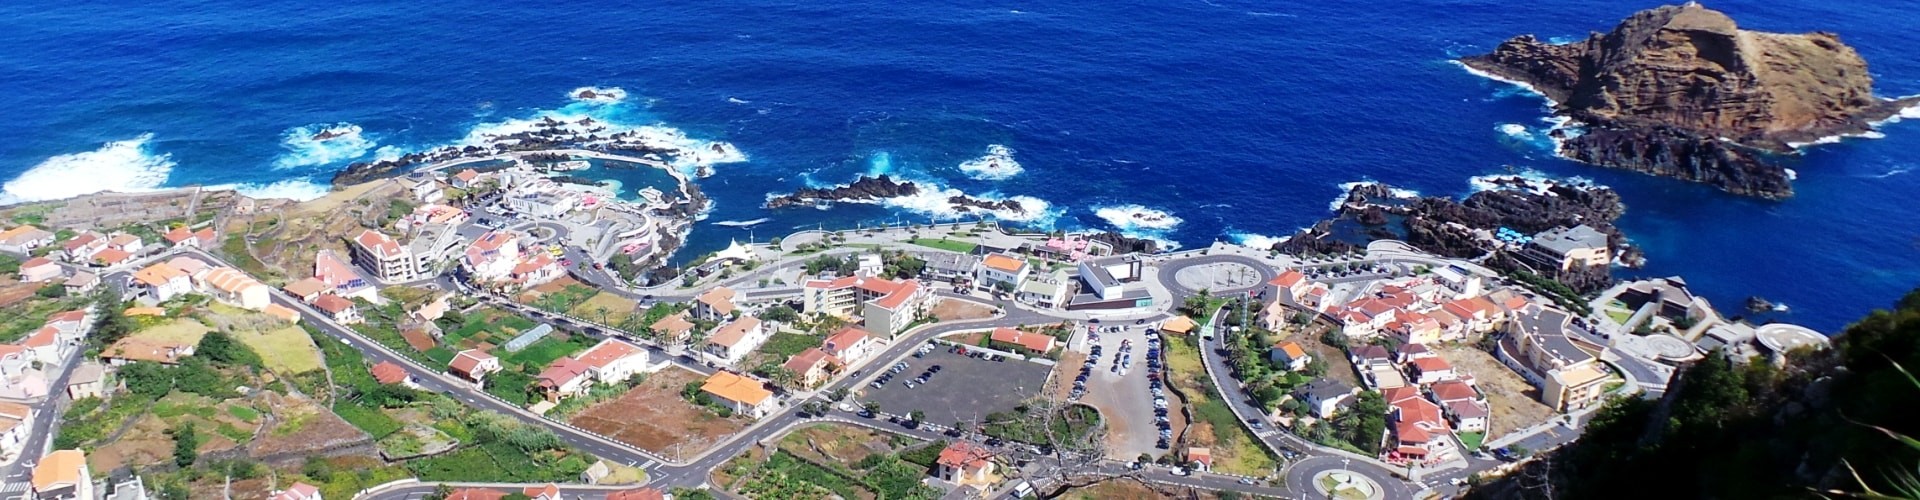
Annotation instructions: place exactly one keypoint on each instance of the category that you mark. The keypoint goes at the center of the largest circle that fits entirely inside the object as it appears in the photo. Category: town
(494, 329)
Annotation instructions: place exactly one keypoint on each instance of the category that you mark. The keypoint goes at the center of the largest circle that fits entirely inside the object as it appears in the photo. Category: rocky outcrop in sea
(883, 187)
(1681, 91)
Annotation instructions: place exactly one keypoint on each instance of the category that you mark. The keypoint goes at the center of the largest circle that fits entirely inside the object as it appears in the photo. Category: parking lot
(965, 389)
(1120, 383)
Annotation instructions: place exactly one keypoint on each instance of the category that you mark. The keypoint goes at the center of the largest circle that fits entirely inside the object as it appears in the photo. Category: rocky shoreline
(1465, 229)
(1682, 92)
(547, 134)
(874, 189)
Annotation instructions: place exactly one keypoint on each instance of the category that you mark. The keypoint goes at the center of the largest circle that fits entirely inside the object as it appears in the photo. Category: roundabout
(1345, 485)
(1331, 476)
(1217, 274)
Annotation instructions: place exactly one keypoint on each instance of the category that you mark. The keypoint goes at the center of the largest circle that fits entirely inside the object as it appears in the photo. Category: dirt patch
(952, 309)
(1516, 404)
(845, 445)
(16, 293)
(655, 418)
(1126, 488)
(300, 425)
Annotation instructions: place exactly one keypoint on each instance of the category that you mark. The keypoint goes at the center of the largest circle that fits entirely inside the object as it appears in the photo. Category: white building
(492, 257)
(387, 259)
(1110, 278)
(731, 342)
(613, 361)
(887, 306)
(1001, 272)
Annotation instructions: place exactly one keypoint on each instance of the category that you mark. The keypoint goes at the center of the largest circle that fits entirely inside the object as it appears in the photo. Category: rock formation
(868, 189)
(1681, 91)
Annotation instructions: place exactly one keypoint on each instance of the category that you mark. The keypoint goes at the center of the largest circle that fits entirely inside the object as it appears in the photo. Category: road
(47, 414)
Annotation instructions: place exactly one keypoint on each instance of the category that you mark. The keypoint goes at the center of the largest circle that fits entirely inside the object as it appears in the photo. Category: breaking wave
(1136, 217)
(291, 189)
(997, 164)
(321, 144)
(599, 95)
(128, 165)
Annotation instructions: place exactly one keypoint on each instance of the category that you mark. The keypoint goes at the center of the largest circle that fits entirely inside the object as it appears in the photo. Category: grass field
(489, 325)
(176, 330)
(286, 350)
(1234, 450)
(618, 309)
(544, 351)
(944, 244)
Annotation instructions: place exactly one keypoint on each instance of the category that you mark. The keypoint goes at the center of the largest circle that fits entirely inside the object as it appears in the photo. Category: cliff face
(1681, 91)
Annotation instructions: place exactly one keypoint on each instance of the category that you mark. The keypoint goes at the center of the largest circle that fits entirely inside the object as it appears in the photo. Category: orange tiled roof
(733, 387)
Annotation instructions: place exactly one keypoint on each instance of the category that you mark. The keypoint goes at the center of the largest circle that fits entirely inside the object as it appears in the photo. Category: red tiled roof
(732, 333)
(389, 373)
(1433, 364)
(1418, 411)
(1288, 279)
(550, 491)
(843, 339)
(964, 455)
(74, 315)
(1407, 432)
(806, 360)
(377, 243)
(1004, 263)
(43, 337)
(1466, 409)
(1032, 341)
(179, 234)
(899, 296)
(607, 352)
(332, 304)
(562, 371)
(1291, 349)
(1453, 390)
(1398, 394)
(111, 256)
(466, 361)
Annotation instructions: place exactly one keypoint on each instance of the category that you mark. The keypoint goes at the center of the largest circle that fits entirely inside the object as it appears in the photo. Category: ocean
(1238, 120)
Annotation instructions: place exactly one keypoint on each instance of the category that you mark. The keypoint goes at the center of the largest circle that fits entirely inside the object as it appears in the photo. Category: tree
(186, 445)
(52, 291)
(222, 349)
(872, 407)
(441, 492)
(113, 323)
(916, 416)
(780, 314)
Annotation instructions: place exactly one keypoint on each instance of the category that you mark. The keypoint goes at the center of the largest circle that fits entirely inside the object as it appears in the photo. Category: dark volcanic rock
(1124, 244)
(1454, 228)
(862, 189)
(1681, 91)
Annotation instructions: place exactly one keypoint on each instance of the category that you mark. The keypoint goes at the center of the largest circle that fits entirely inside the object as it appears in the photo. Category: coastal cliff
(1681, 91)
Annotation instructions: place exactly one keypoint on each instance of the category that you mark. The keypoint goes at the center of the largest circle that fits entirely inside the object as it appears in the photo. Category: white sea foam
(932, 200)
(1894, 172)
(321, 144)
(997, 164)
(879, 163)
(1523, 85)
(1136, 217)
(598, 95)
(291, 189)
(742, 223)
(1534, 182)
(1257, 241)
(594, 125)
(1791, 175)
(1516, 131)
(123, 166)
(737, 100)
(1347, 187)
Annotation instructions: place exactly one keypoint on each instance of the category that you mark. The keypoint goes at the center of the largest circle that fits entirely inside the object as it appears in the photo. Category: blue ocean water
(1240, 118)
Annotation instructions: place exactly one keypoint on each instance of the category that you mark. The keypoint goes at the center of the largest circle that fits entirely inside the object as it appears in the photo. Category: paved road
(46, 419)
(419, 490)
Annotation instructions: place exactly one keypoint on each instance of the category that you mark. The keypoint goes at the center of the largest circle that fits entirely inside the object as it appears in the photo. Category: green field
(945, 244)
(544, 351)
(286, 350)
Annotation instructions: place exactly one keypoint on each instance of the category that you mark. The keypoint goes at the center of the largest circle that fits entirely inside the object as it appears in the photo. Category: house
(492, 256)
(421, 187)
(1032, 343)
(1448, 391)
(81, 282)
(716, 304)
(1406, 353)
(1419, 431)
(126, 243)
(340, 310)
(16, 422)
(1567, 248)
(564, 377)
(1198, 457)
(44, 345)
(473, 365)
(299, 491)
(83, 246)
(180, 236)
(1044, 290)
(387, 259)
(1292, 281)
(307, 289)
(613, 361)
(465, 179)
(887, 306)
(869, 264)
(163, 351)
(160, 282)
(547, 491)
(963, 462)
(23, 239)
(188, 265)
(1178, 324)
(673, 329)
(1001, 272)
(732, 341)
(744, 395)
(1364, 317)
(851, 345)
(86, 380)
(390, 373)
(1467, 416)
(1324, 396)
(282, 313)
(40, 269)
(1428, 370)
(1289, 355)
(810, 368)
(1415, 328)
(110, 257)
(233, 287)
(336, 273)
(63, 475)
(948, 266)
(1370, 355)
(537, 268)
(121, 484)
